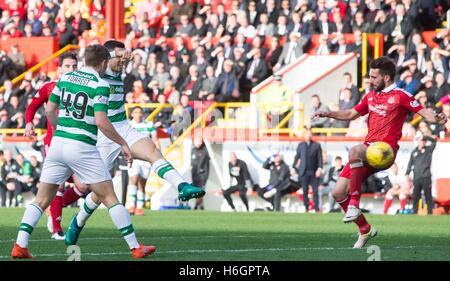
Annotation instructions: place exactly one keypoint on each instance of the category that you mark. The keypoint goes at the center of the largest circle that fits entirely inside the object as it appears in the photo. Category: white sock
(86, 210)
(166, 171)
(131, 198)
(30, 218)
(122, 220)
(140, 199)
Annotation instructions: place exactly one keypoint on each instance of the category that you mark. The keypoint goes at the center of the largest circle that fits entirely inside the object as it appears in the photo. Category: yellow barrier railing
(197, 122)
(228, 105)
(42, 63)
(21, 132)
(364, 55)
(289, 116)
(158, 107)
(377, 50)
(328, 131)
(416, 120)
(201, 121)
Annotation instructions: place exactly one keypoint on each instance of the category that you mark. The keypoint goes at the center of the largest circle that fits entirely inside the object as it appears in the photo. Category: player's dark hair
(112, 44)
(348, 74)
(315, 96)
(94, 55)
(338, 158)
(68, 55)
(385, 65)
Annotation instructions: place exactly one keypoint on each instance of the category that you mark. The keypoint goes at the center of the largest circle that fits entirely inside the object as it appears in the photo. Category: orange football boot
(20, 253)
(131, 210)
(142, 251)
(139, 212)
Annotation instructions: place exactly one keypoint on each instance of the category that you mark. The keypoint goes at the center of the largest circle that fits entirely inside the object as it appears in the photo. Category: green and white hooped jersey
(79, 94)
(144, 127)
(116, 106)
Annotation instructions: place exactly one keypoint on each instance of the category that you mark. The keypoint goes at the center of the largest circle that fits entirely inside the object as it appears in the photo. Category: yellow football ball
(380, 155)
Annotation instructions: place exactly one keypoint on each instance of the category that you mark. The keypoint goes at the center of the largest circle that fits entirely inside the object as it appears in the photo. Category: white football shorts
(66, 157)
(109, 150)
(140, 168)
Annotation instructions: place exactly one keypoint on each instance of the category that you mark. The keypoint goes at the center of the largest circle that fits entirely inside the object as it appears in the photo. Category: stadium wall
(254, 153)
(35, 49)
(309, 75)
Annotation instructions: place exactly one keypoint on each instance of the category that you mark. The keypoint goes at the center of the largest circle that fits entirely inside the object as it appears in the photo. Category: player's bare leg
(394, 191)
(121, 218)
(341, 195)
(46, 193)
(145, 149)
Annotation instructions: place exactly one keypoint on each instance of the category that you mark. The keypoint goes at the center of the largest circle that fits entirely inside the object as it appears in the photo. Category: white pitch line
(161, 237)
(154, 238)
(197, 251)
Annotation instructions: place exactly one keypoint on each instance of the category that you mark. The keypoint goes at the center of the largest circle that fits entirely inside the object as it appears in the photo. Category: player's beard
(380, 87)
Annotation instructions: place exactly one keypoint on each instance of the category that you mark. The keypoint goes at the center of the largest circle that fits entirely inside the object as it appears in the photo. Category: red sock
(56, 211)
(363, 225)
(358, 175)
(387, 205)
(402, 203)
(344, 203)
(361, 221)
(71, 195)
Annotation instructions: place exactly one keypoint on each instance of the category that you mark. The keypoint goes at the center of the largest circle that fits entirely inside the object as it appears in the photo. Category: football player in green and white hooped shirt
(141, 145)
(82, 99)
(140, 170)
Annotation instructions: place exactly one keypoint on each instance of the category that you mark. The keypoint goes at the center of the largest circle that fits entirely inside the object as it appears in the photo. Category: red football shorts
(346, 171)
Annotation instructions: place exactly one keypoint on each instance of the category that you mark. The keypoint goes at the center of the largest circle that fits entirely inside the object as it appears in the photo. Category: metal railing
(21, 132)
(292, 132)
(157, 108)
(197, 122)
(377, 50)
(439, 104)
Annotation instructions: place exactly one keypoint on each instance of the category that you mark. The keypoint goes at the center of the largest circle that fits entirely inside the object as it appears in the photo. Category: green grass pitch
(258, 236)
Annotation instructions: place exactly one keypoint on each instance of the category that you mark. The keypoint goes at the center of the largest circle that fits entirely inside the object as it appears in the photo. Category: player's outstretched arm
(346, 115)
(38, 100)
(432, 117)
(51, 113)
(104, 125)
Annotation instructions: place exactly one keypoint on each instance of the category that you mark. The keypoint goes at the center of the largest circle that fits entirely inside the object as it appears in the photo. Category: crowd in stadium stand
(218, 50)
(206, 50)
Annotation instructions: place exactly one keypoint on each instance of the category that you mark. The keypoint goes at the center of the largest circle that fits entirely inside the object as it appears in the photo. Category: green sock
(166, 171)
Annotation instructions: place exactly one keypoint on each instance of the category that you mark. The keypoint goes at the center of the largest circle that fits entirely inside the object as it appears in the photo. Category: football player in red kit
(387, 107)
(67, 63)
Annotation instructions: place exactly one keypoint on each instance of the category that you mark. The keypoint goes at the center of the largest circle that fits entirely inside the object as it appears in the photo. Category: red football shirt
(41, 98)
(387, 111)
